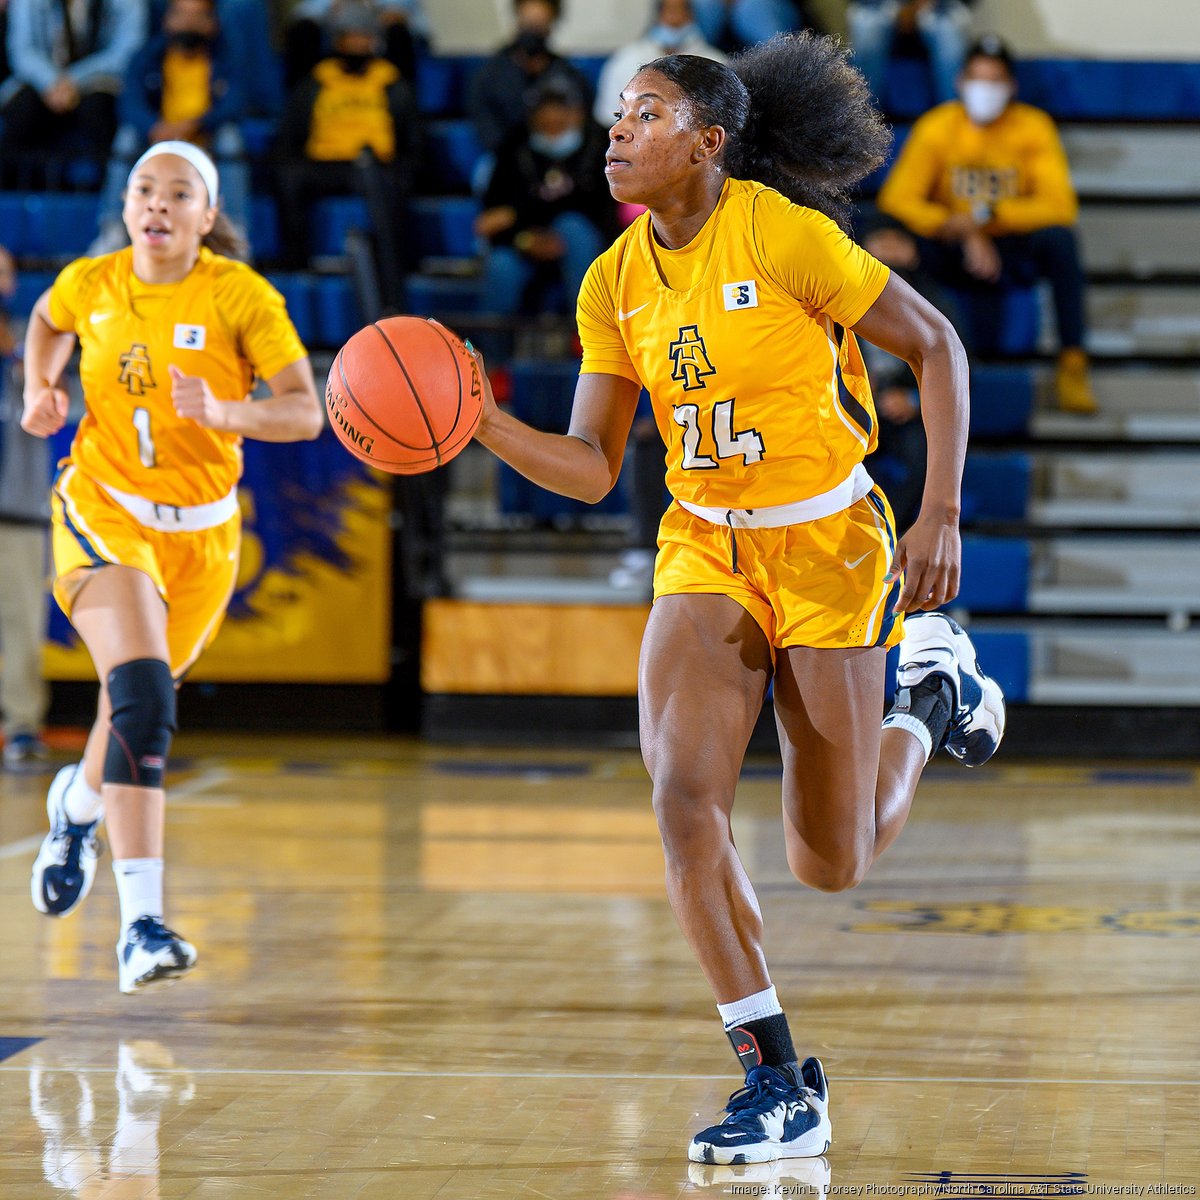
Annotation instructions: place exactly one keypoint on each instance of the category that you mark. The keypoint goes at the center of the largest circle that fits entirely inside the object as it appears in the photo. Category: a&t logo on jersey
(135, 370)
(690, 359)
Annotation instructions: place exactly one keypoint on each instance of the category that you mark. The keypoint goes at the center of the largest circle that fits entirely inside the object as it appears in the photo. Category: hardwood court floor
(428, 972)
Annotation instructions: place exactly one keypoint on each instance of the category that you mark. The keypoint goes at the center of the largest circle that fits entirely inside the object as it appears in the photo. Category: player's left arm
(905, 324)
(292, 412)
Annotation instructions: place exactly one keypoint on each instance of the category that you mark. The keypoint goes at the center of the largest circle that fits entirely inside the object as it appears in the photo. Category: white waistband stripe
(850, 491)
(175, 518)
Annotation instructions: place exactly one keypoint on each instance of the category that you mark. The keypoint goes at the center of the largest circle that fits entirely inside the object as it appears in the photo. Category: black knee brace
(142, 695)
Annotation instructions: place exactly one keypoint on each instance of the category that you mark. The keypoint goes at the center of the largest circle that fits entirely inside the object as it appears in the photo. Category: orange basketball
(404, 395)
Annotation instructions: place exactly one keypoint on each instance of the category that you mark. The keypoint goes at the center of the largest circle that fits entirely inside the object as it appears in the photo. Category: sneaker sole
(812, 1145)
(159, 977)
(980, 744)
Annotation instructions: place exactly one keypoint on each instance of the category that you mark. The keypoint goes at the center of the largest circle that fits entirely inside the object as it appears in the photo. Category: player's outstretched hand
(930, 557)
(45, 411)
(489, 401)
(193, 398)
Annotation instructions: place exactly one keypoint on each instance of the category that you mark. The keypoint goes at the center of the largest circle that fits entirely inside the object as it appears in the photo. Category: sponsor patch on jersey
(740, 295)
(189, 337)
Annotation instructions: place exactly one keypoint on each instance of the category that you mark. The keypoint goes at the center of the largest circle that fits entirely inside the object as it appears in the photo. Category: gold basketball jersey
(742, 340)
(224, 322)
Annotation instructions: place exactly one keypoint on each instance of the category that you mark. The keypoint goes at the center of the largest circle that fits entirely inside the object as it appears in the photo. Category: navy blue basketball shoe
(66, 863)
(148, 952)
(934, 643)
(782, 1112)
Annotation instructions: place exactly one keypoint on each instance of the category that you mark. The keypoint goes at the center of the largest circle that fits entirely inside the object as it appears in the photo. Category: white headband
(193, 154)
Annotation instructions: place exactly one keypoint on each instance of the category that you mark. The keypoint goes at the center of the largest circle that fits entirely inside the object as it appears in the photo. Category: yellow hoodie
(1016, 167)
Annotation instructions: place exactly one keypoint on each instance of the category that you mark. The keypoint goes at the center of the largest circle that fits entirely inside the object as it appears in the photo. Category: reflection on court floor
(428, 972)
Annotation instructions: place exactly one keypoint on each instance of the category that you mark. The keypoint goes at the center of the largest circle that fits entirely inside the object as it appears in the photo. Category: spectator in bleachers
(305, 36)
(183, 85)
(674, 31)
(547, 212)
(984, 182)
(739, 24)
(351, 127)
(940, 26)
(24, 519)
(68, 60)
(502, 90)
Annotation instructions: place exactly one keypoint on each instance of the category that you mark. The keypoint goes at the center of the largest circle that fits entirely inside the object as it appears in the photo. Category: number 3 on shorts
(141, 422)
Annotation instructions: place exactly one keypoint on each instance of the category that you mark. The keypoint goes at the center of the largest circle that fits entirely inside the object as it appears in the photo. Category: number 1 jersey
(223, 322)
(741, 338)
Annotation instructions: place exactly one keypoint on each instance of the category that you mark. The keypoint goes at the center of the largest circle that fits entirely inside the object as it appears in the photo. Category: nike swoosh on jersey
(624, 316)
(97, 317)
(851, 565)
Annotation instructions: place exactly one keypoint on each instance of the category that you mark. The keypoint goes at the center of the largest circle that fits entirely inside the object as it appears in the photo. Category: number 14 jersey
(741, 338)
(223, 322)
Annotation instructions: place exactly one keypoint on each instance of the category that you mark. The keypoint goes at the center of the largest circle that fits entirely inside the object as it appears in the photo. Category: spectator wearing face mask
(504, 87)
(351, 126)
(547, 212)
(674, 32)
(183, 85)
(983, 181)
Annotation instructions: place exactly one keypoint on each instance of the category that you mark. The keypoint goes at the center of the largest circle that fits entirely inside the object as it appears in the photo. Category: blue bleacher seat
(12, 222)
(30, 285)
(444, 225)
(996, 486)
(264, 227)
(428, 295)
(1069, 89)
(335, 309)
(332, 218)
(541, 395)
(995, 575)
(454, 152)
(297, 292)
(59, 224)
(1001, 400)
(1005, 323)
(1004, 655)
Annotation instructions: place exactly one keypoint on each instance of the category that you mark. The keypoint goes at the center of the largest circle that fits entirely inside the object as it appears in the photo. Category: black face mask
(531, 43)
(190, 41)
(355, 64)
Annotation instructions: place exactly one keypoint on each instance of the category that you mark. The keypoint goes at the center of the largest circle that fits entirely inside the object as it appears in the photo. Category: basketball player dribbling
(146, 524)
(736, 300)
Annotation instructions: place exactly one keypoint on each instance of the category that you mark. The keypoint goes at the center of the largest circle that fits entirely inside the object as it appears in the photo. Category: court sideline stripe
(839, 1079)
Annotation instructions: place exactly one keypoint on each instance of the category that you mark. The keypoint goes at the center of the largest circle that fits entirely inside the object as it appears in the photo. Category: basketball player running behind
(146, 526)
(732, 301)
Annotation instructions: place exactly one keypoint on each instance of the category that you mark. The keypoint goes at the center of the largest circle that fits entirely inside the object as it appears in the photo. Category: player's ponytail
(797, 117)
(223, 238)
(813, 132)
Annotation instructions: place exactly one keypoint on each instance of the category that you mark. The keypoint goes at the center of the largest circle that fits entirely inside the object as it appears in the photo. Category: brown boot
(1072, 384)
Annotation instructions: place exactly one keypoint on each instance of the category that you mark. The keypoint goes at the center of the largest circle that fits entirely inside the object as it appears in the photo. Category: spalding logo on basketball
(404, 395)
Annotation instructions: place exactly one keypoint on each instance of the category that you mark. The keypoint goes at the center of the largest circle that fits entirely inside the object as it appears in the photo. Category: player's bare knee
(142, 697)
(688, 819)
(838, 874)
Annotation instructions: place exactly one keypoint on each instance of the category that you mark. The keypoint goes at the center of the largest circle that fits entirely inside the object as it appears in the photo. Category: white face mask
(985, 99)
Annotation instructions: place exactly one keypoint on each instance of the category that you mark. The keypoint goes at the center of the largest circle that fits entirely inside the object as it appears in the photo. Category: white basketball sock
(139, 888)
(750, 1008)
(82, 803)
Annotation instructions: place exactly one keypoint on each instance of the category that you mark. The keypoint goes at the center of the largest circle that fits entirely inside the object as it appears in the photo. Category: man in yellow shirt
(984, 182)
